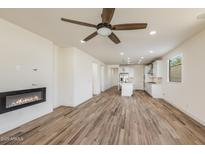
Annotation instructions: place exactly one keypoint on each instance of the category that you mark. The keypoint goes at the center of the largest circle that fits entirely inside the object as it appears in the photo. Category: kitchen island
(126, 89)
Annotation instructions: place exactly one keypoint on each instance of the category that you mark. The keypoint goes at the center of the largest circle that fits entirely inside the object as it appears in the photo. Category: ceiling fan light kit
(105, 28)
(104, 31)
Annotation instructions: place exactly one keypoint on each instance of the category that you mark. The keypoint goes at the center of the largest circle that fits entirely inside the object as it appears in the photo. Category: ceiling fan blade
(107, 15)
(79, 22)
(131, 26)
(90, 36)
(114, 38)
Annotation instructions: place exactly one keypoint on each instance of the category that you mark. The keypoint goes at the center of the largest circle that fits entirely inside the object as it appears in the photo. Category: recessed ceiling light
(150, 51)
(82, 41)
(153, 32)
(121, 53)
(128, 58)
(142, 57)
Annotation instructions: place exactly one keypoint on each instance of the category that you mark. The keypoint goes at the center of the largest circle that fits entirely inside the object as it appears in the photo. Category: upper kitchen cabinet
(157, 68)
(148, 69)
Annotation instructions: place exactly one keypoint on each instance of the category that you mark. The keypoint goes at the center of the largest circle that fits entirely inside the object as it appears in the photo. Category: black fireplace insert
(14, 100)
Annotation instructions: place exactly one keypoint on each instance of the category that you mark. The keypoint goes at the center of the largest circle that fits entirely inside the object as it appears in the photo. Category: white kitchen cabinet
(148, 88)
(157, 68)
(155, 90)
(148, 69)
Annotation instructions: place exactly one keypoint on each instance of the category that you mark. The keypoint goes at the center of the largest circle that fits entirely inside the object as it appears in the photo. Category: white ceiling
(173, 26)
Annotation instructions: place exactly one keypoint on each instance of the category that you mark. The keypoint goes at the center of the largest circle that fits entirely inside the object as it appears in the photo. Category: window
(175, 69)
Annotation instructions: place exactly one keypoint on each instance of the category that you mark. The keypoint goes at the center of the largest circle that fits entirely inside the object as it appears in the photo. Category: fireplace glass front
(16, 100)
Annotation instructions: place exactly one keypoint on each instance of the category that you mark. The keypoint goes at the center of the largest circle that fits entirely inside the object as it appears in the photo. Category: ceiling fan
(105, 28)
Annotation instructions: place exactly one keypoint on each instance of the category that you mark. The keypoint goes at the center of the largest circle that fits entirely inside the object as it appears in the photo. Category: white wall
(21, 51)
(111, 76)
(76, 76)
(102, 78)
(56, 76)
(95, 79)
(83, 76)
(66, 76)
(114, 76)
(188, 95)
(138, 77)
(107, 77)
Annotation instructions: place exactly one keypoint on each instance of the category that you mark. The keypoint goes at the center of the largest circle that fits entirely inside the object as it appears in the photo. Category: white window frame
(168, 75)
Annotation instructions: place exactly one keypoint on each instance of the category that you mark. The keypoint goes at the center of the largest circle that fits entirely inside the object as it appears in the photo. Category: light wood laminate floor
(111, 119)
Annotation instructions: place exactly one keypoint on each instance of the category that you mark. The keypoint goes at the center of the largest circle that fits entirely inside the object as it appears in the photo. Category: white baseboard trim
(187, 113)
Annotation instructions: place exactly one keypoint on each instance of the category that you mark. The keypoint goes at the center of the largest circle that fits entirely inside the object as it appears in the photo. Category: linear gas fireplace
(14, 100)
